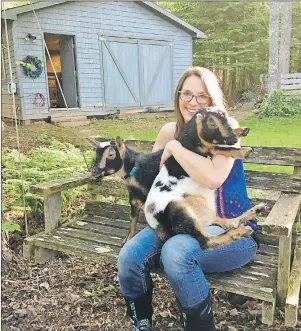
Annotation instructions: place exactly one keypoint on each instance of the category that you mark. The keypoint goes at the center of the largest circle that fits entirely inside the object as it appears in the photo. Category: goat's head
(214, 127)
(109, 157)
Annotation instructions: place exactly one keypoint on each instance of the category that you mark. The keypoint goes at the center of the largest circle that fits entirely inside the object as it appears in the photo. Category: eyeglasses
(200, 98)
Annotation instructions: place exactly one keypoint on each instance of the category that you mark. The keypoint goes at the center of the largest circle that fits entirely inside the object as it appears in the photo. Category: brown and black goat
(170, 194)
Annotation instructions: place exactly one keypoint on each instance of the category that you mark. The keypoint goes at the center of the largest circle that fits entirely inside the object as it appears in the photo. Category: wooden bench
(274, 274)
(290, 82)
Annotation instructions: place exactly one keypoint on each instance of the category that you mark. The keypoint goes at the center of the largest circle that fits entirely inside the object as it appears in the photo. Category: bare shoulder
(233, 122)
(169, 128)
(165, 135)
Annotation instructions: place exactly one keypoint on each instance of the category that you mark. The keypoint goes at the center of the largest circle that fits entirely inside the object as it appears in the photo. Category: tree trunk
(286, 36)
(273, 48)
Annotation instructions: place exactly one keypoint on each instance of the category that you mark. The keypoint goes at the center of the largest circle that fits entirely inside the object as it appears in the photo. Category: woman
(183, 261)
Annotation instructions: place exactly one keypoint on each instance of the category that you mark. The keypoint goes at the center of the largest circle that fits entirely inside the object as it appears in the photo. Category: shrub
(280, 103)
(56, 161)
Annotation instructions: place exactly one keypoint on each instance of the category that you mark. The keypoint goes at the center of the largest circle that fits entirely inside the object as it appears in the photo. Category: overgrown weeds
(54, 161)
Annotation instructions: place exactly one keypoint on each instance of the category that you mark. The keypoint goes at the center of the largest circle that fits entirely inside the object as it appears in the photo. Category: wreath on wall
(32, 66)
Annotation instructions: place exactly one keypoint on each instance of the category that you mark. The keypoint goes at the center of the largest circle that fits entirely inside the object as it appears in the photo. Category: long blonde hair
(212, 85)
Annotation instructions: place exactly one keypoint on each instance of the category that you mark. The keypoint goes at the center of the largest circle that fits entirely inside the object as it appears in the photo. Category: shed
(107, 55)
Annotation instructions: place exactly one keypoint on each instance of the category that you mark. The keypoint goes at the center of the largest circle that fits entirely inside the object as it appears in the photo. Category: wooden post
(292, 299)
(268, 312)
(297, 171)
(284, 261)
(52, 210)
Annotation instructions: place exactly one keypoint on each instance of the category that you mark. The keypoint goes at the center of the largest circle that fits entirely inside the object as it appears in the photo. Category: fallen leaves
(76, 294)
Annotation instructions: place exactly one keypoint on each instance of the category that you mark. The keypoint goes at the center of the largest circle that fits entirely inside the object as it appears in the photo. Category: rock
(250, 105)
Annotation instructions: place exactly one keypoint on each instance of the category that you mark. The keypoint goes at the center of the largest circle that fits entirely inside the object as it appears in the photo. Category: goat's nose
(231, 140)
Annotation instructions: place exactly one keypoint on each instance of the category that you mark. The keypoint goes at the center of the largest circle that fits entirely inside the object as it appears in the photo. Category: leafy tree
(237, 47)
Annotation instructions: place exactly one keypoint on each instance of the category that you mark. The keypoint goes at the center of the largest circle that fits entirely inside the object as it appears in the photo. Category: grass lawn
(276, 131)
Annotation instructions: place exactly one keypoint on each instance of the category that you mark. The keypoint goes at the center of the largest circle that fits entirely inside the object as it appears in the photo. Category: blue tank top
(232, 198)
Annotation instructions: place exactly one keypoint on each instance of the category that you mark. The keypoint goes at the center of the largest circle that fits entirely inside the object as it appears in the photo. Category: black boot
(140, 311)
(201, 319)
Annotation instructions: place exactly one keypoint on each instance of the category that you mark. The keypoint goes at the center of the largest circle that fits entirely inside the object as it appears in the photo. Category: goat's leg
(228, 237)
(230, 223)
(236, 153)
(135, 212)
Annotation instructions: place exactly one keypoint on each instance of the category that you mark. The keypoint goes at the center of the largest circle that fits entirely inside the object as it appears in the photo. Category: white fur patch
(104, 144)
(159, 200)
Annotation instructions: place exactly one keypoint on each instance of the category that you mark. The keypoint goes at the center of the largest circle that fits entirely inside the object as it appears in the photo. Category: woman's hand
(168, 150)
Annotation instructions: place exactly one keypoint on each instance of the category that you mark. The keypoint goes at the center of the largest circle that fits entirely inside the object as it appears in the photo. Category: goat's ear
(92, 141)
(120, 147)
(241, 132)
(118, 141)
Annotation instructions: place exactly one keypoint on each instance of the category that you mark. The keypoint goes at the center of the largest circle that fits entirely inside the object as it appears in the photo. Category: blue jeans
(183, 261)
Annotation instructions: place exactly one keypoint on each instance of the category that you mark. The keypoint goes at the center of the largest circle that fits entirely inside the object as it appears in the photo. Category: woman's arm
(205, 171)
(208, 172)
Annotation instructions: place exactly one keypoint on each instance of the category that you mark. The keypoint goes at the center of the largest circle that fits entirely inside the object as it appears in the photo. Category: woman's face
(193, 85)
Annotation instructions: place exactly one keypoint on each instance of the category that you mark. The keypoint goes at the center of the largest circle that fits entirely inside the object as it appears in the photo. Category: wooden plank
(293, 75)
(268, 250)
(292, 299)
(274, 155)
(115, 222)
(291, 87)
(89, 236)
(108, 209)
(260, 155)
(76, 246)
(281, 219)
(99, 228)
(244, 281)
(284, 261)
(60, 185)
(288, 81)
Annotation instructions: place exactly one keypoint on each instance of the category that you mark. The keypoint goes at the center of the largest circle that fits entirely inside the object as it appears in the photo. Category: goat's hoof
(234, 225)
(248, 230)
(242, 231)
(258, 208)
(246, 151)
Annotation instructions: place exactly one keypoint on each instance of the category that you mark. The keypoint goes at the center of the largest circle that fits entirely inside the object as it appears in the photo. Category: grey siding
(7, 101)
(87, 21)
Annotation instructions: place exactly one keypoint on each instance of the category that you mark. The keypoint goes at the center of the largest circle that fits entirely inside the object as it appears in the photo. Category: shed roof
(13, 12)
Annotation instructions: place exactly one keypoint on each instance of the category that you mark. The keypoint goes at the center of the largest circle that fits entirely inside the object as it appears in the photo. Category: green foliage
(280, 103)
(10, 226)
(237, 44)
(53, 161)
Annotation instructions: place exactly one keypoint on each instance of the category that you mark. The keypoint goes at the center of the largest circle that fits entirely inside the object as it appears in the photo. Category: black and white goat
(174, 203)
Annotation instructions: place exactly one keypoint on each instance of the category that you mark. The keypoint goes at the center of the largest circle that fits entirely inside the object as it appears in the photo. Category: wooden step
(75, 123)
(101, 238)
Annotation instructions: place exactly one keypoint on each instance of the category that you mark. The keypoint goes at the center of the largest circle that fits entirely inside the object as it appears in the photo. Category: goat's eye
(112, 154)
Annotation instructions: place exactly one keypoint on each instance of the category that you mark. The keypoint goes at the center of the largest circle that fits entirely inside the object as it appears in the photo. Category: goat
(208, 133)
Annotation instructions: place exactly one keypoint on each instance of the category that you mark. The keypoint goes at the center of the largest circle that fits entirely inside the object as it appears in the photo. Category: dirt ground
(73, 293)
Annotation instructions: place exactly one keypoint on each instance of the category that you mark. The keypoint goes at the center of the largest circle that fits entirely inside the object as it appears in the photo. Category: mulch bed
(74, 293)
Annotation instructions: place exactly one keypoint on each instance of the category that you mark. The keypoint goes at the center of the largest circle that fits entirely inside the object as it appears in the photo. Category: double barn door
(136, 72)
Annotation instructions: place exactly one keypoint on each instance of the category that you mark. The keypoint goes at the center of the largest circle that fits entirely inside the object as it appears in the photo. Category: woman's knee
(179, 253)
(127, 263)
